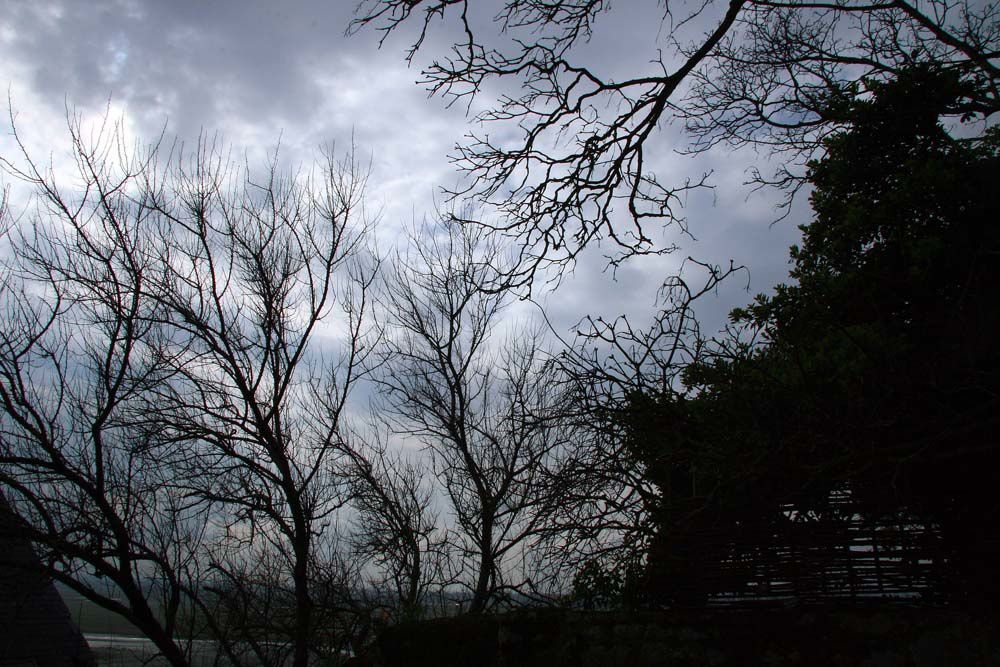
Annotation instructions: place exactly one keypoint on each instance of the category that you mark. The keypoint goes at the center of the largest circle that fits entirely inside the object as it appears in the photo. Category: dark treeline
(187, 345)
(840, 437)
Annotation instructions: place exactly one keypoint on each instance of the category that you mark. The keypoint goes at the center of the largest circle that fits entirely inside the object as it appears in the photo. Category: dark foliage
(876, 379)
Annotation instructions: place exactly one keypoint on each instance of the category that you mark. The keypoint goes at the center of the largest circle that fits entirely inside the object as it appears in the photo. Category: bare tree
(247, 278)
(397, 528)
(92, 489)
(608, 498)
(487, 412)
(160, 379)
(739, 72)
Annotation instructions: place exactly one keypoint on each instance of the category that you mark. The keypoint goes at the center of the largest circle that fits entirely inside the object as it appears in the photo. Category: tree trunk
(486, 566)
(303, 602)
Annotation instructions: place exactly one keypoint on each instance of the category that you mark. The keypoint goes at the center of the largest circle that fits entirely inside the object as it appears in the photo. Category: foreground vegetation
(185, 339)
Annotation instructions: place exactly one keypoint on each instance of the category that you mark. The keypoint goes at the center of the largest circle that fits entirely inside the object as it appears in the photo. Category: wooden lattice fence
(839, 553)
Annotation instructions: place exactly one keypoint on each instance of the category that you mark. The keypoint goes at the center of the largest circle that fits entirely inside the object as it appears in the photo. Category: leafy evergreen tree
(875, 371)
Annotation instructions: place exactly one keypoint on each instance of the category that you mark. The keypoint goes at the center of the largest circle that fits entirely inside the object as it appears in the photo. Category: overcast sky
(255, 71)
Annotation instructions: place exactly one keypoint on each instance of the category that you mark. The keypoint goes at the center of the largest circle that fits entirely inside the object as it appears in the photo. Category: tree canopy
(184, 340)
(570, 158)
(875, 370)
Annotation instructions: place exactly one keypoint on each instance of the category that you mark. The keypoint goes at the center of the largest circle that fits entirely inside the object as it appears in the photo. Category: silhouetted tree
(168, 422)
(873, 372)
(610, 497)
(889, 320)
(486, 410)
(92, 489)
(571, 162)
(246, 279)
(398, 528)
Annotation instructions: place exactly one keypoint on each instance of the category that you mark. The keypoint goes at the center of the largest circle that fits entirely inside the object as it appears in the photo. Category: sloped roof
(36, 628)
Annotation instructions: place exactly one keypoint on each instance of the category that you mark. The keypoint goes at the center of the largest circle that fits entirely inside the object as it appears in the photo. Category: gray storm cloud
(257, 71)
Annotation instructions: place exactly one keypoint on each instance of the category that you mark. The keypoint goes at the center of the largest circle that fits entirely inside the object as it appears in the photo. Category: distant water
(125, 651)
